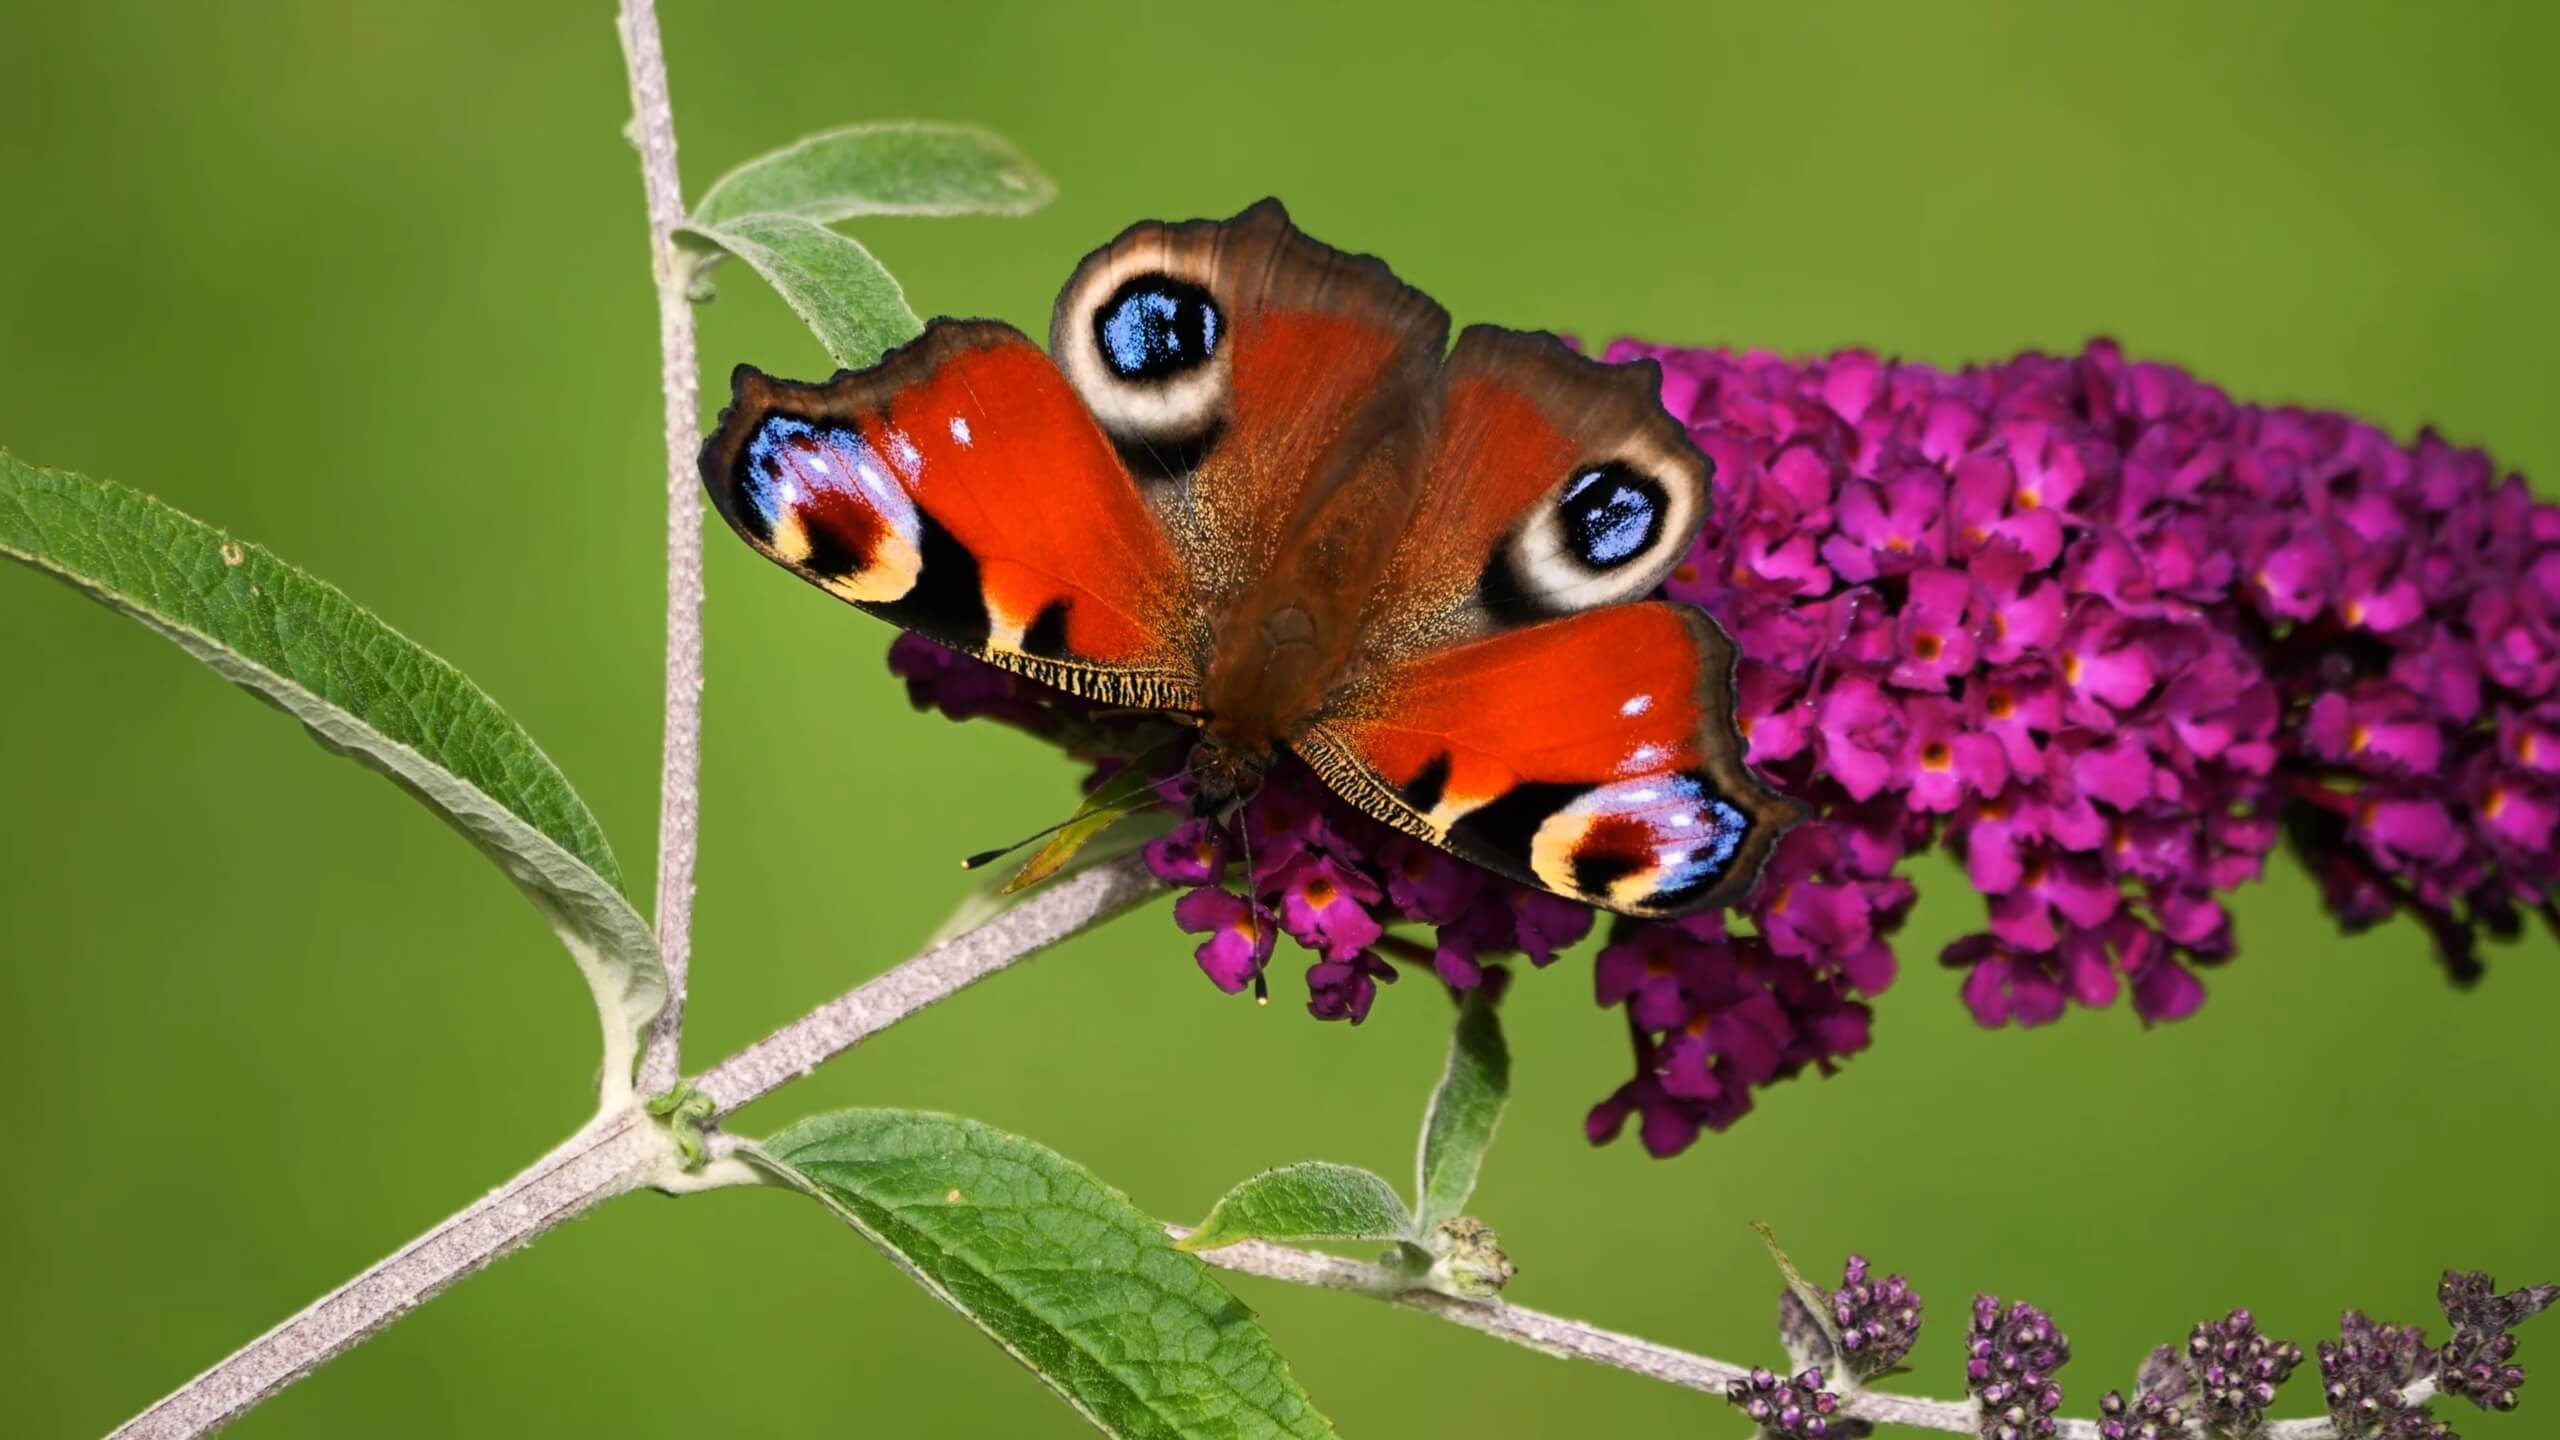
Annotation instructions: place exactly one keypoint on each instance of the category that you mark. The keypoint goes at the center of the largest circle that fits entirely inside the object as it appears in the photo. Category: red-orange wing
(1260, 385)
(1593, 755)
(1549, 483)
(961, 490)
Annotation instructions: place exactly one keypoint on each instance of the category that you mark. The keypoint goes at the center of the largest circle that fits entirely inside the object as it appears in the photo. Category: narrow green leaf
(1312, 1200)
(363, 690)
(848, 300)
(1056, 1267)
(1130, 790)
(993, 896)
(1817, 1308)
(898, 167)
(1458, 1128)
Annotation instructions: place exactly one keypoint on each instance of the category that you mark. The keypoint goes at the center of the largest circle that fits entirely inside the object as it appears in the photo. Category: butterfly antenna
(1139, 801)
(989, 857)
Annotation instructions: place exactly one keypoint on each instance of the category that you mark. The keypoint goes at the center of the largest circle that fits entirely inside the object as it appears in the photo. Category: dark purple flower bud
(2147, 1417)
(1792, 1407)
(2478, 1361)
(2010, 1358)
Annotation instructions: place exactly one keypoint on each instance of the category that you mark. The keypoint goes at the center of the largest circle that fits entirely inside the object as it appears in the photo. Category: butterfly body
(1251, 485)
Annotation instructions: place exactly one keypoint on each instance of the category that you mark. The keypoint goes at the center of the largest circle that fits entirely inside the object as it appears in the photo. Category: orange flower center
(2028, 499)
(1319, 893)
(2071, 667)
(2358, 737)
(2492, 803)
(1925, 646)
(2000, 704)
(1937, 755)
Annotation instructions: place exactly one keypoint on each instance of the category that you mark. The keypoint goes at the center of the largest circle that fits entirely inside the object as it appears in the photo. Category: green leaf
(363, 690)
(1458, 1128)
(1130, 790)
(1056, 1267)
(846, 298)
(1312, 1200)
(1817, 1307)
(994, 895)
(899, 167)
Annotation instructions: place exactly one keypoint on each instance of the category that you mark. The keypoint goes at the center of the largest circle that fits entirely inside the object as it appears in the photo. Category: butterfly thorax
(1268, 674)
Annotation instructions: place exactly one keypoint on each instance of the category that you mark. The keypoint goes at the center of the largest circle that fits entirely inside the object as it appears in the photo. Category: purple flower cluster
(2009, 1360)
(2102, 633)
(2478, 1360)
(2365, 1375)
(2237, 1371)
(1877, 1321)
(2098, 631)
(1796, 1408)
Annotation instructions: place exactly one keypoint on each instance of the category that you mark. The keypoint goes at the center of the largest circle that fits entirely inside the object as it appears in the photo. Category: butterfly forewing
(960, 490)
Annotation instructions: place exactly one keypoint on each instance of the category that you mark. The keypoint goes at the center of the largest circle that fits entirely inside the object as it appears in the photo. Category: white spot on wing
(1636, 705)
(903, 454)
(960, 432)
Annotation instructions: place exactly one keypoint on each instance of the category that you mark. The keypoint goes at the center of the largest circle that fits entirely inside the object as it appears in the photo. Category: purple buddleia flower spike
(1878, 1319)
(2478, 1361)
(2010, 1359)
(2098, 632)
(2236, 1371)
(2365, 1375)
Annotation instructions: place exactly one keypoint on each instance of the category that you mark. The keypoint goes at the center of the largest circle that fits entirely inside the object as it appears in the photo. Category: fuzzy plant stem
(653, 131)
(623, 1150)
(612, 1155)
(1572, 1339)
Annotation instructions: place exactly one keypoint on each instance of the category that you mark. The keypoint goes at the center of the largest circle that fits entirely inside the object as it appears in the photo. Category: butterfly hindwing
(1592, 755)
(960, 490)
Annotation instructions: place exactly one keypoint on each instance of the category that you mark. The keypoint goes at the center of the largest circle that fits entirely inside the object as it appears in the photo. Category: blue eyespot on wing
(1155, 327)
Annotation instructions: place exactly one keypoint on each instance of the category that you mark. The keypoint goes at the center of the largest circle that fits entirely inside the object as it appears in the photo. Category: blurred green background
(369, 284)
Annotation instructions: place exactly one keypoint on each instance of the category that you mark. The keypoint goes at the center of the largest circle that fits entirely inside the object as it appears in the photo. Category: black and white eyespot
(1146, 346)
(1609, 531)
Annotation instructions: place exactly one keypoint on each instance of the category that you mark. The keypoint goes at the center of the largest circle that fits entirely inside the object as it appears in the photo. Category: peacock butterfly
(1252, 485)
